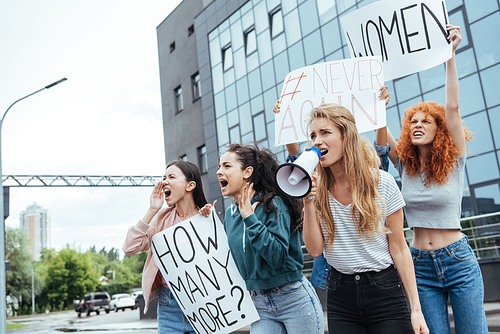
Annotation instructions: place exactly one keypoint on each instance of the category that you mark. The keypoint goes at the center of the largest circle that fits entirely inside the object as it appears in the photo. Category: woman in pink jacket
(181, 188)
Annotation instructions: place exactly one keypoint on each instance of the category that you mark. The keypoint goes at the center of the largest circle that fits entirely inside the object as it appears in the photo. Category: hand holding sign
(194, 258)
(411, 36)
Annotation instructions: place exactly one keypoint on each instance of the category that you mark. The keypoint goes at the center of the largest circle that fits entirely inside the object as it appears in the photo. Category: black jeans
(371, 302)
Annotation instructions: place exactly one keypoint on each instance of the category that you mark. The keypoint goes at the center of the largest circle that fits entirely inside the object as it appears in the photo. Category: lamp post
(3, 315)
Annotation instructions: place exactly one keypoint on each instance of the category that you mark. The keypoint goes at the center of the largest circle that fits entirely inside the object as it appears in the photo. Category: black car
(97, 302)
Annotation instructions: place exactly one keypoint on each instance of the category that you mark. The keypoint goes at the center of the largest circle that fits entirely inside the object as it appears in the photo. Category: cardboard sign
(410, 35)
(353, 83)
(195, 260)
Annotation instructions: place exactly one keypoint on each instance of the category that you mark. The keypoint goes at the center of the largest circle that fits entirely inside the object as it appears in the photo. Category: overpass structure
(80, 180)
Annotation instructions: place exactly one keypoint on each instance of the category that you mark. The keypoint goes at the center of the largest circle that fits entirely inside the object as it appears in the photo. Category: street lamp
(3, 316)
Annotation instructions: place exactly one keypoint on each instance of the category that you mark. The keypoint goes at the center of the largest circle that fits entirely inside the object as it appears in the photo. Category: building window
(276, 22)
(172, 47)
(227, 57)
(259, 126)
(178, 99)
(195, 80)
(234, 134)
(190, 30)
(202, 159)
(183, 157)
(250, 41)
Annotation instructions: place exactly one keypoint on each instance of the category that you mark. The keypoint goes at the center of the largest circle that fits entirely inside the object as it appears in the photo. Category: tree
(69, 274)
(18, 279)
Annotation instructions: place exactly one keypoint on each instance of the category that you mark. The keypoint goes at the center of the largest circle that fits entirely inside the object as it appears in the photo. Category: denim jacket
(321, 268)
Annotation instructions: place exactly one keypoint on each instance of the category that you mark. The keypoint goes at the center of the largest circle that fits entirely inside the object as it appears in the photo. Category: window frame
(224, 50)
(202, 159)
(245, 40)
(271, 15)
(265, 127)
(178, 99)
(196, 86)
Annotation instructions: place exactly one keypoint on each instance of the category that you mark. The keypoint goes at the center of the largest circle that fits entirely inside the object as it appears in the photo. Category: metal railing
(483, 232)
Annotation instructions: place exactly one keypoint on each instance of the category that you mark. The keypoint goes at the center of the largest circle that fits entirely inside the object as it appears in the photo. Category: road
(121, 322)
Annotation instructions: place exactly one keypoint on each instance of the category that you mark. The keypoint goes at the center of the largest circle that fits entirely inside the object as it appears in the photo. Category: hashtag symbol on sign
(295, 91)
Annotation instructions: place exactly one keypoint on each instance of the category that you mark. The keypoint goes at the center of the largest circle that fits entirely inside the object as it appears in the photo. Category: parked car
(122, 301)
(136, 294)
(97, 302)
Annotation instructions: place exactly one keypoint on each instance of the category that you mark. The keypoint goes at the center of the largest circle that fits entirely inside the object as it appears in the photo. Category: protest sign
(353, 83)
(410, 35)
(194, 258)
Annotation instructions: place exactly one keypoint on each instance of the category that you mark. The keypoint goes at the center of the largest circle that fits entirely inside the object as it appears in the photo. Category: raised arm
(139, 236)
(383, 136)
(452, 108)
(393, 144)
(292, 148)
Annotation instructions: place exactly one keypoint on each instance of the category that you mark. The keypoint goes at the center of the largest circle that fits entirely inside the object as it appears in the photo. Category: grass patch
(16, 326)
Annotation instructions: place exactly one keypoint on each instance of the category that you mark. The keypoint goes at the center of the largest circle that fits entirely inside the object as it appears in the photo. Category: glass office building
(246, 48)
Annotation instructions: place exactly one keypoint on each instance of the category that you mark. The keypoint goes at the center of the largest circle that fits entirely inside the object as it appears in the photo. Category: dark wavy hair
(265, 163)
(192, 173)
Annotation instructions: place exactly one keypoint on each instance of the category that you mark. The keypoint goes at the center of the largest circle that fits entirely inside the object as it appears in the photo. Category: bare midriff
(430, 239)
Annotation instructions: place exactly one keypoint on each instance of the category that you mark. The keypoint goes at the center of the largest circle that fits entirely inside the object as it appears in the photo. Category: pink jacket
(139, 240)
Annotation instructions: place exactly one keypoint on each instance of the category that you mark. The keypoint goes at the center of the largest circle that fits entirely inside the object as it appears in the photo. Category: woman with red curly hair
(430, 158)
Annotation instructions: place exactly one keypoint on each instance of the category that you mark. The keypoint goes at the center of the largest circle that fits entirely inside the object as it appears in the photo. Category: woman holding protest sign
(353, 216)
(182, 190)
(263, 234)
(430, 158)
(319, 275)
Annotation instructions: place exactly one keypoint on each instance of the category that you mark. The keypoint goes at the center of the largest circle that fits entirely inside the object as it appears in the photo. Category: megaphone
(294, 179)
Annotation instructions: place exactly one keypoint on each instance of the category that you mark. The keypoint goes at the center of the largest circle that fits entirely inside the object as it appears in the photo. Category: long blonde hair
(361, 164)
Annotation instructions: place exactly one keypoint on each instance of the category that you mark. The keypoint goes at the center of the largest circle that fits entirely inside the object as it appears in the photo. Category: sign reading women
(194, 258)
(353, 83)
(410, 35)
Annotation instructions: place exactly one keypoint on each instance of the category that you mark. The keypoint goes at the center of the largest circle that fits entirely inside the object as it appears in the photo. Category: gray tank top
(434, 206)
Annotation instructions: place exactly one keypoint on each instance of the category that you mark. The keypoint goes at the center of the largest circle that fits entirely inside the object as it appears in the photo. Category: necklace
(186, 214)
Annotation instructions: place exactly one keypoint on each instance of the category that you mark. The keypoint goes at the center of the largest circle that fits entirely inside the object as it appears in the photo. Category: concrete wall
(183, 131)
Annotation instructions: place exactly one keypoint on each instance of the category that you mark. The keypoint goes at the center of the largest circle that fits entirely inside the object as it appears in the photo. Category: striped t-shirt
(350, 253)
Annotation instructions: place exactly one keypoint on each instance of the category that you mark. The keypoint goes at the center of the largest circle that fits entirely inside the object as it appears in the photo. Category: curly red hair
(443, 153)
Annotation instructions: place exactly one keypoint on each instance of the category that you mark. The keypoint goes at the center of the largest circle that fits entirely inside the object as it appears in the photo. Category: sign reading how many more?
(194, 258)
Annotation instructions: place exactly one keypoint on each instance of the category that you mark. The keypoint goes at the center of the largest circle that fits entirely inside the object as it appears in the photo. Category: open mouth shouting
(223, 184)
(418, 134)
(167, 192)
(324, 152)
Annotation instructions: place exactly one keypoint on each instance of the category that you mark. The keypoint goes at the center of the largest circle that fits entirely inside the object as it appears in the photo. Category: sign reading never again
(353, 83)
(410, 35)
(194, 258)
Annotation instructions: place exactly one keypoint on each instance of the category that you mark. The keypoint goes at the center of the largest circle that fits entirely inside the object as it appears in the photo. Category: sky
(104, 120)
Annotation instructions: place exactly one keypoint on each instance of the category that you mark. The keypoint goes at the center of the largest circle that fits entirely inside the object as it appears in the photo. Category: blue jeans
(171, 319)
(292, 308)
(453, 272)
(371, 302)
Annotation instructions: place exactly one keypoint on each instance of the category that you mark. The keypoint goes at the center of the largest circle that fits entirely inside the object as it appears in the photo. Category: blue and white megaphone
(294, 179)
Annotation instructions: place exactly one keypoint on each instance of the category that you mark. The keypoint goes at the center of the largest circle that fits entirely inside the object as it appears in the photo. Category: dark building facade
(244, 50)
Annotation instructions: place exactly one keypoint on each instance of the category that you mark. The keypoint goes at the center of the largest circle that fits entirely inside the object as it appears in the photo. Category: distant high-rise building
(36, 222)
